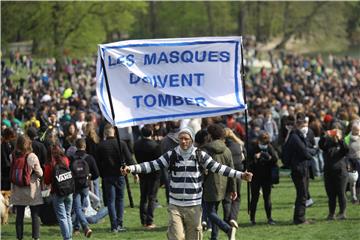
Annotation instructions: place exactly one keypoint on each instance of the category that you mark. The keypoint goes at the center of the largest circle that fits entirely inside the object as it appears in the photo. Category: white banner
(167, 79)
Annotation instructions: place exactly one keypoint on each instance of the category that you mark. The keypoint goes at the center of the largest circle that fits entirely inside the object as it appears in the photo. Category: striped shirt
(187, 179)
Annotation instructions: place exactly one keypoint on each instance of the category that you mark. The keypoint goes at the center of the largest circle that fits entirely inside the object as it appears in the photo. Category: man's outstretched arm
(148, 167)
(224, 170)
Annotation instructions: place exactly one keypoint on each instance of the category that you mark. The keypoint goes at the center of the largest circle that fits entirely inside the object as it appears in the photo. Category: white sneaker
(309, 202)
(204, 225)
(234, 224)
(231, 234)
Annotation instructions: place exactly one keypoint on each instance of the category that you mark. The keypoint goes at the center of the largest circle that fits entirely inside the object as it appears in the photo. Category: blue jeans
(318, 163)
(80, 198)
(114, 189)
(216, 222)
(99, 215)
(96, 184)
(62, 208)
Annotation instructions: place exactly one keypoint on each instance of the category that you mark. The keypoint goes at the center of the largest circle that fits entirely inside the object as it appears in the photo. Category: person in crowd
(270, 126)
(37, 146)
(335, 172)
(110, 157)
(8, 142)
(92, 140)
(23, 196)
(71, 134)
(146, 150)
(202, 137)
(62, 204)
(231, 208)
(92, 216)
(298, 153)
(80, 123)
(216, 186)
(310, 138)
(82, 190)
(159, 131)
(288, 126)
(263, 158)
(185, 199)
(353, 142)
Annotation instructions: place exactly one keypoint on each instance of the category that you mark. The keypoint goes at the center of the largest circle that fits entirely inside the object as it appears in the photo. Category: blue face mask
(263, 147)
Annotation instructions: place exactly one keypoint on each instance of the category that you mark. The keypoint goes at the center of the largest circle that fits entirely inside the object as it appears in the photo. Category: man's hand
(136, 178)
(125, 170)
(247, 176)
(233, 196)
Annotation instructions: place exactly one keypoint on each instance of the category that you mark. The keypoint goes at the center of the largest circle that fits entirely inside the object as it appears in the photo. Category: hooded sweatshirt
(215, 185)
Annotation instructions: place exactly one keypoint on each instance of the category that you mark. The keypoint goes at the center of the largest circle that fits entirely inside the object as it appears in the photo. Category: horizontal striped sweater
(187, 179)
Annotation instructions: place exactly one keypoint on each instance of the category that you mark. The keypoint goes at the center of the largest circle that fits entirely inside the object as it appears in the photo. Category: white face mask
(288, 127)
(263, 147)
(304, 130)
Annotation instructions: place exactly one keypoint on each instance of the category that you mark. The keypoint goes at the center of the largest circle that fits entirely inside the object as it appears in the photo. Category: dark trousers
(114, 189)
(335, 185)
(35, 221)
(300, 180)
(216, 222)
(231, 208)
(255, 193)
(149, 186)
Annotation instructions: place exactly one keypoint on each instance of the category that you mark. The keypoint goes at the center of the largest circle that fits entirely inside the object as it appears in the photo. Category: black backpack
(81, 171)
(63, 181)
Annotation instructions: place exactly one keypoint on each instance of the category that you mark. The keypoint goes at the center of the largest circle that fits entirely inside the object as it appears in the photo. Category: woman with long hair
(71, 134)
(92, 138)
(62, 204)
(23, 196)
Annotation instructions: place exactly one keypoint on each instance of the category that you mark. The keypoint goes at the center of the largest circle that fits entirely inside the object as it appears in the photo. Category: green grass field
(283, 196)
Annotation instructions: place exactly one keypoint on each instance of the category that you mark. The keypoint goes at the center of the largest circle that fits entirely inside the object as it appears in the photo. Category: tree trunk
(258, 20)
(300, 26)
(210, 18)
(57, 37)
(241, 19)
(153, 25)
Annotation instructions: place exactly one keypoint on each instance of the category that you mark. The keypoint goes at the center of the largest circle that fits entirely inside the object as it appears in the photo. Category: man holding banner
(147, 81)
(186, 165)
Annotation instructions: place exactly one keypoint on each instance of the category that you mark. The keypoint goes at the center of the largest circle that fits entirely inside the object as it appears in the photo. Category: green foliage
(283, 197)
(77, 27)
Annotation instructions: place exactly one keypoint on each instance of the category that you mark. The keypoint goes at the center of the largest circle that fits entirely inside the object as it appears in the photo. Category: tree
(299, 26)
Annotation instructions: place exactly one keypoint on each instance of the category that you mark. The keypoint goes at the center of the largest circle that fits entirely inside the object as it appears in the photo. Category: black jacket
(147, 150)
(94, 171)
(298, 151)
(90, 146)
(40, 151)
(334, 153)
(108, 157)
(261, 168)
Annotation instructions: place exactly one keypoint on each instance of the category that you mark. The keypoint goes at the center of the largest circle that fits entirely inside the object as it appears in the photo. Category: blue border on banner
(236, 74)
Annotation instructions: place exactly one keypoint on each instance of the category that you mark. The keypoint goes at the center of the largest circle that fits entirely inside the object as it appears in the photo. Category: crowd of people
(303, 114)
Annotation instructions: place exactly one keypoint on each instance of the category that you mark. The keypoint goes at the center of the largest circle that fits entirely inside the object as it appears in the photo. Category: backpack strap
(173, 160)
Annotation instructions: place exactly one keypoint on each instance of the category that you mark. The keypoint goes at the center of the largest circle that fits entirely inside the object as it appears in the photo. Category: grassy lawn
(283, 196)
